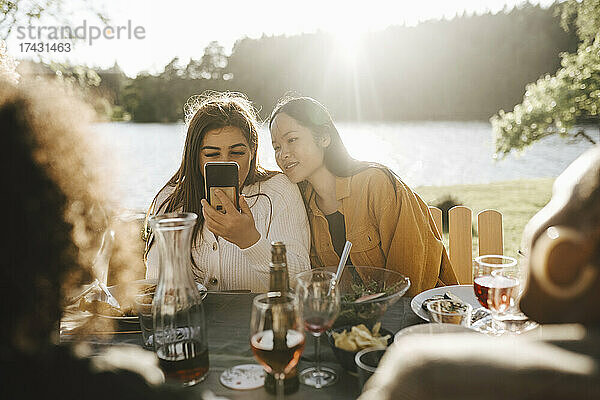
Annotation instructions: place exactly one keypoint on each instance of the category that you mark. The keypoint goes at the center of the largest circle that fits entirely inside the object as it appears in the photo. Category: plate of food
(459, 293)
(96, 302)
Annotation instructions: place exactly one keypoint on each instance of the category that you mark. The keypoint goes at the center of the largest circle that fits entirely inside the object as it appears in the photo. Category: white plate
(463, 292)
(153, 281)
(118, 292)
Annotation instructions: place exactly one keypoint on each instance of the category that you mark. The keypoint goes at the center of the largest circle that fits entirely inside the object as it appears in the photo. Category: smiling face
(297, 152)
(226, 144)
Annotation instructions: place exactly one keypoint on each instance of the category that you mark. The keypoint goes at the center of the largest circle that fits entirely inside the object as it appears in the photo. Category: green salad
(363, 305)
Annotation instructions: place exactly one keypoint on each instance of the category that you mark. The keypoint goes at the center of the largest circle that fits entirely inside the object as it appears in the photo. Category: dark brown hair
(311, 114)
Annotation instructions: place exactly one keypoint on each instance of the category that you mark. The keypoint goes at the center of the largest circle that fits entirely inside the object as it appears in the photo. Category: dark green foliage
(445, 204)
(463, 69)
(561, 103)
(26, 12)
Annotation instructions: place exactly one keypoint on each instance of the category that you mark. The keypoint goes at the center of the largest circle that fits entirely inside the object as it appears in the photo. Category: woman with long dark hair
(388, 224)
(232, 250)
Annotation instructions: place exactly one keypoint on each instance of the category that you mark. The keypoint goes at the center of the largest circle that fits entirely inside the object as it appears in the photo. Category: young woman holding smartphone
(346, 199)
(232, 250)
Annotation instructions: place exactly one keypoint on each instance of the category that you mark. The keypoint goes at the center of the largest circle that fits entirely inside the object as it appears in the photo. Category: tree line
(466, 68)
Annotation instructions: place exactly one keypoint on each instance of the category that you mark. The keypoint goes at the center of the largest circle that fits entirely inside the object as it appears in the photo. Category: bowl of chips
(367, 293)
(346, 341)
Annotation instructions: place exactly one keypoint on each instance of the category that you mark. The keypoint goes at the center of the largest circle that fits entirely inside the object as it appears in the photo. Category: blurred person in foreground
(559, 360)
(49, 197)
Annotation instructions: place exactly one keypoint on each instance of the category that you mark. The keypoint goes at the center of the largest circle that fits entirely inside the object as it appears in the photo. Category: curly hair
(51, 200)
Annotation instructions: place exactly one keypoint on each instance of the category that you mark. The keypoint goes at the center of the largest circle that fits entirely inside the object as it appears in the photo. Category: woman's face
(226, 144)
(296, 152)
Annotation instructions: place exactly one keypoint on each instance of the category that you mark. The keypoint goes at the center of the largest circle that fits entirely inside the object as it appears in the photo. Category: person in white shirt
(232, 250)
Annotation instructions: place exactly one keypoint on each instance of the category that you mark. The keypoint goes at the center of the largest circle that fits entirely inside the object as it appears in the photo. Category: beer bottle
(280, 282)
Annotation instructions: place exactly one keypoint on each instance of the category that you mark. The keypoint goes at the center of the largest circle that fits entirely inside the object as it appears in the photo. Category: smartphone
(221, 175)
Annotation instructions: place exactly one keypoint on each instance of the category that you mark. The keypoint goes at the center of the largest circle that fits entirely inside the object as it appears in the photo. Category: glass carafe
(180, 338)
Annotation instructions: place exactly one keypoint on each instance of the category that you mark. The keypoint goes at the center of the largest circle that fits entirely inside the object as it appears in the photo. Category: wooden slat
(436, 214)
(489, 228)
(460, 243)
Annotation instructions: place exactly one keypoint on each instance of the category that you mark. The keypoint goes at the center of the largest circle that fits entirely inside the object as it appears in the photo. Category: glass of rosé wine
(319, 299)
(497, 282)
(277, 337)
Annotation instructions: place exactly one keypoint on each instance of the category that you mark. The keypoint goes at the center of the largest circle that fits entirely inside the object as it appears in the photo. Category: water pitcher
(180, 339)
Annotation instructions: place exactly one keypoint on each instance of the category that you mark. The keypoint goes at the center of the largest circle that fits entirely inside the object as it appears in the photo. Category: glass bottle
(279, 281)
(180, 339)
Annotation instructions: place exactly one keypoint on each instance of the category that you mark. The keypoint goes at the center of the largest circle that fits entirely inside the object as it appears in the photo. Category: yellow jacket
(386, 230)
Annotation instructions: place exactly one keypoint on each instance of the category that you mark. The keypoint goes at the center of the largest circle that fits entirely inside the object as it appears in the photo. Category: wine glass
(277, 338)
(497, 283)
(319, 299)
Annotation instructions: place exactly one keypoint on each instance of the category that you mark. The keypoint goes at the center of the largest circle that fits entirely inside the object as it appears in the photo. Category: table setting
(228, 326)
(227, 342)
(228, 321)
(488, 306)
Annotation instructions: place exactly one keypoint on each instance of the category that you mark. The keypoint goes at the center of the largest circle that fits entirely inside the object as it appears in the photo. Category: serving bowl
(367, 361)
(367, 293)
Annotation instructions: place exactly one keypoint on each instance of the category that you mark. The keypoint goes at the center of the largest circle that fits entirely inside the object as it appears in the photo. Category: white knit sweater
(224, 266)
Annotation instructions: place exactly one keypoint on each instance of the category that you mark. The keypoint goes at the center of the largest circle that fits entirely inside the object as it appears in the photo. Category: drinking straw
(343, 259)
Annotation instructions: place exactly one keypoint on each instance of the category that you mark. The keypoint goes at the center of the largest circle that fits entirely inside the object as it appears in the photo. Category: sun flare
(347, 43)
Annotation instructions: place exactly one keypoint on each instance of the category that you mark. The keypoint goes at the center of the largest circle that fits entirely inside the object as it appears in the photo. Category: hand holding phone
(224, 176)
(222, 195)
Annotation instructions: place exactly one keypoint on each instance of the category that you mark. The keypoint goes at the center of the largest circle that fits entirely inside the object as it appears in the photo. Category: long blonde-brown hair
(208, 111)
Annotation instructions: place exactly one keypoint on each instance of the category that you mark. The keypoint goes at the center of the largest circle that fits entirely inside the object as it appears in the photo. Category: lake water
(142, 157)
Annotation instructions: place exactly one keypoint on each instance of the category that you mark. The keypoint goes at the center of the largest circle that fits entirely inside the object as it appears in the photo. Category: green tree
(212, 65)
(25, 12)
(214, 61)
(464, 69)
(8, 65)
(559, 104)
(113, 80)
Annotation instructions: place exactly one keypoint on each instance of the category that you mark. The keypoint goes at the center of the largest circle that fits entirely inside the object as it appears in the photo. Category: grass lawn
(518, 201)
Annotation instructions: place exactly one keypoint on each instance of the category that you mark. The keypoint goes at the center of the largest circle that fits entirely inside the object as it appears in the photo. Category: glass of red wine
(276, 334)
(319, 299)
(497, 285)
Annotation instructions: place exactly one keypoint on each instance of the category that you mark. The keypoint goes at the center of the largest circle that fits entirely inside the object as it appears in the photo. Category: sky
(178, 28)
